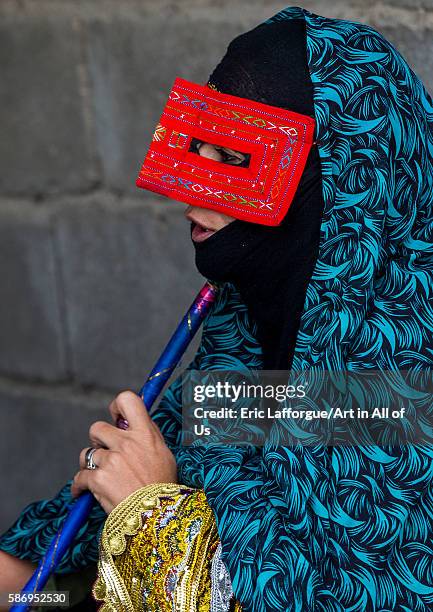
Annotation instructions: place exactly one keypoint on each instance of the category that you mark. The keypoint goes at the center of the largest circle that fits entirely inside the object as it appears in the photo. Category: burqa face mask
(273, 142)
(258, 102)
(271, 266)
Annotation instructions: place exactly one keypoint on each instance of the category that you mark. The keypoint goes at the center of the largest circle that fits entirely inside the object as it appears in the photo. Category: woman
(343, 283)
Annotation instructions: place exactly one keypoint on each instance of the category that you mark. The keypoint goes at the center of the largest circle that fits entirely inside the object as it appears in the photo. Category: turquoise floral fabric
(326, 528)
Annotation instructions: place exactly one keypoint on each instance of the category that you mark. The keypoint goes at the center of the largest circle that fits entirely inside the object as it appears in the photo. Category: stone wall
(95, 273)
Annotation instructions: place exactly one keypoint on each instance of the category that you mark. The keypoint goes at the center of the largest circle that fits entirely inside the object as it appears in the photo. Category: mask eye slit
(219, 153)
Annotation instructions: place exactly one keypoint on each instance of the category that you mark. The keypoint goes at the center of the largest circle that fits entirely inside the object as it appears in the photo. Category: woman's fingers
(81, 482)
(105, 435)
(99, 457)
(87, 480)
(129, 406)
(124, 460)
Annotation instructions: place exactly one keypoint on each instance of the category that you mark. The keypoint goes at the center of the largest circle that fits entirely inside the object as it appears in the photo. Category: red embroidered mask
(270, 147)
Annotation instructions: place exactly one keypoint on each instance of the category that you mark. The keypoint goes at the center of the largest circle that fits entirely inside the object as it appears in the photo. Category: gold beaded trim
(126, 519)
(156, 552)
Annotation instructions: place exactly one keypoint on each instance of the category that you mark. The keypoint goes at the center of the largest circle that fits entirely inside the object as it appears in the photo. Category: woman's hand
(127, 459)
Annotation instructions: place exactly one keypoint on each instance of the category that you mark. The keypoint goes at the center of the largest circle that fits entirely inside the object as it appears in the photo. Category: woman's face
(207, 222)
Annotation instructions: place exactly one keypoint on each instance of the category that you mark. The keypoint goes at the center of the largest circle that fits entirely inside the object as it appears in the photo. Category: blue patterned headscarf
(314, 528)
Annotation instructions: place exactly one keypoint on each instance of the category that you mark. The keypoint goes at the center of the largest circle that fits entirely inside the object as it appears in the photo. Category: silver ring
(88, 458)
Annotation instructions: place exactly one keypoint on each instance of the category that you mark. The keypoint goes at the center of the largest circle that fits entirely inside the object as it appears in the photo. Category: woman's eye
(230, 158)
(219, 153)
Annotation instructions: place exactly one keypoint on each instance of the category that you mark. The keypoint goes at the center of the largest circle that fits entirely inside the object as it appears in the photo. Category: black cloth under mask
(271, 266)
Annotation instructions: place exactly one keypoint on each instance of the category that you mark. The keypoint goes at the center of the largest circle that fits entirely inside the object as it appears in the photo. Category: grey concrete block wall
(46, 144)
(49, 427)
(94, 272)
(128, 275)
(33, 339)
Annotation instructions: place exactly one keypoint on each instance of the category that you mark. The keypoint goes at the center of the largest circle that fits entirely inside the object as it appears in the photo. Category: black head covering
(271, 266)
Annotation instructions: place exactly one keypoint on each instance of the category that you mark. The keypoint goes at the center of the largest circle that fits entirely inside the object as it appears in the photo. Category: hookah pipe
(81, 508)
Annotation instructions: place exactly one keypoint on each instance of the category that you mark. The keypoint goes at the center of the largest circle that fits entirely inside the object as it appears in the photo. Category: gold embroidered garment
(160, 552)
